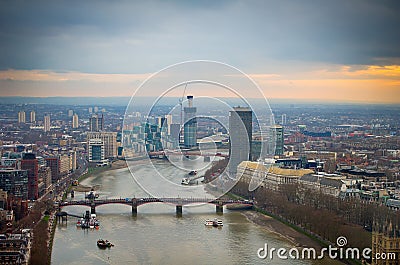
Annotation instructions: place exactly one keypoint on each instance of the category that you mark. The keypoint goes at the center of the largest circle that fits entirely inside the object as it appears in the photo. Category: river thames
(157, 235)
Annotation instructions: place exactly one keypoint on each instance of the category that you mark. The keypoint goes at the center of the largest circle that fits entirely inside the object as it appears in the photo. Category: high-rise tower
(96, 123)
(33, 116)
(75, 121)
(29, 162)
(21, 117)
(190, 124)
(46, 123)
(240, 132)
(277, 139)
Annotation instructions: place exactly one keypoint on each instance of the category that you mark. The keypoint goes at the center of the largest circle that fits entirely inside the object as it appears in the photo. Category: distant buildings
(96, 123)
(240, 132)
(168, 122)
(54, 164)
(70, 113)
(30, 163)
(174, 132)
(272, 119)
(283, 119)
(15, 182)
(96, 150)
(61, 164)
(44, 176)
(46, 123)
(33, 116)
(72, 160)
(109, 140)
(21, 117)
(276, 139)
(64, 164)
(75, 121)
(273, 177)
(190, 124)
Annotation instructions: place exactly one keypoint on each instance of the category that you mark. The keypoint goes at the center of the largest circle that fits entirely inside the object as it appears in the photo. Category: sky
(342, 50)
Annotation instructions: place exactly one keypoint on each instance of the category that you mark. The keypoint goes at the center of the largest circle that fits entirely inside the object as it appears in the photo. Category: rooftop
(275, 170)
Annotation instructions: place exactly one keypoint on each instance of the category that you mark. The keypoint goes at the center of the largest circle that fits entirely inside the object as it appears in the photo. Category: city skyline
(332, 52)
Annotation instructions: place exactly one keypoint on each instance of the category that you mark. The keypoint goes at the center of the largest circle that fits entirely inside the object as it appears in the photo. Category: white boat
(91, 223)
(185, 181)
(208, 223)
(215, 223)
(189, 181)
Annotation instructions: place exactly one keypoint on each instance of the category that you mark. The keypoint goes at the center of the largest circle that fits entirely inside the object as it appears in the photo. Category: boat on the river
(84, 225)
(185, 181)
(101, 243)
(208, 223)
(215, 223)
(90, 221)
(193, 172)
(80, 222)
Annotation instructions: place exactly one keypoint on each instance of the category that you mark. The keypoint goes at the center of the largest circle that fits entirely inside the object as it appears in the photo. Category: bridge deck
(140, 201)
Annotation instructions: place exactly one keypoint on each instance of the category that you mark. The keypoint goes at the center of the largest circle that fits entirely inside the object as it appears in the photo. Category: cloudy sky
(342, 50)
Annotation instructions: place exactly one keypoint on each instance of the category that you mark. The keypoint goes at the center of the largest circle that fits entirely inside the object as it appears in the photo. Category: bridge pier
(179, 210)
(93, 208)
(134, 207)
(219, 208)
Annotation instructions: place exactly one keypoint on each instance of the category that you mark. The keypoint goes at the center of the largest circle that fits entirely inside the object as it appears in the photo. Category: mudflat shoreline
(272, 225)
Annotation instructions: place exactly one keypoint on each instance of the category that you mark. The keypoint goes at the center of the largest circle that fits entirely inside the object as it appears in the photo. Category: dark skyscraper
(240, 132)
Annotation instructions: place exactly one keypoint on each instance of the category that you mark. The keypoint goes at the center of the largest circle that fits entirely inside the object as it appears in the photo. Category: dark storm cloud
(127, 36)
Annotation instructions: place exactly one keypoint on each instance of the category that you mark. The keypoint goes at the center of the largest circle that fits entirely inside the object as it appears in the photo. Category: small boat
(104, 243)
(208, 223)
(214, 223)
(185, 181)
(91, 223)
(79, 222)
(217, 223)
(189, 181)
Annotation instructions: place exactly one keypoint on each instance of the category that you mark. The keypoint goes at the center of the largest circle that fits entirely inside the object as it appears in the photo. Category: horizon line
(286, 100)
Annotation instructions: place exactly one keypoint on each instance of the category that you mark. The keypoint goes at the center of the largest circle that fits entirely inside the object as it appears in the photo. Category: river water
(157, 235)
